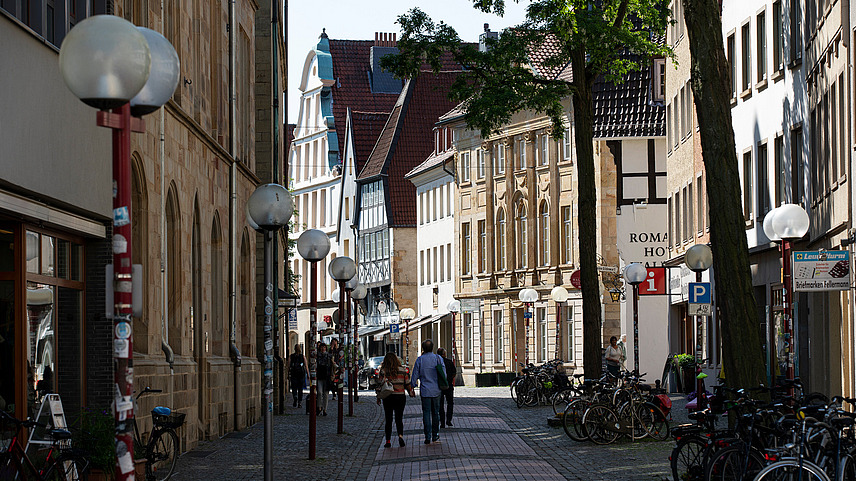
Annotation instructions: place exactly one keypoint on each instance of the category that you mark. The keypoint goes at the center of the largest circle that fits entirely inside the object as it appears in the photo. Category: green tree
(592, 39)
(743, 359)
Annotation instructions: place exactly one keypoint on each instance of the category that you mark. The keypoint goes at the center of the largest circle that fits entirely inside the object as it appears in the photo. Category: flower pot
(688, 376)
(97, 474)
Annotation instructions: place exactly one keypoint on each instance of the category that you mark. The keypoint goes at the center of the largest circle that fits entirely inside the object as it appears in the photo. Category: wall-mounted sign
(821, 270)
(700, 299)
(575, 279)
(470, 305)
(654, 283)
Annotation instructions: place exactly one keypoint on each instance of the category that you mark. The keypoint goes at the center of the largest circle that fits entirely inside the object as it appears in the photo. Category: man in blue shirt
(426, 371)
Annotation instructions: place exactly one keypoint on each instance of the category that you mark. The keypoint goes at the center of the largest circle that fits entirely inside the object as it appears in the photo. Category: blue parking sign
(699, 292)
(393, 328)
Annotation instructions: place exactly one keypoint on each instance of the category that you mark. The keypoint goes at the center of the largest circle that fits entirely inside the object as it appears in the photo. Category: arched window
(500, 240)
(139, 247)
(544, 234)
(196, 331)
(173, 268)
(220, 335)
(520, 215)
(246, 312)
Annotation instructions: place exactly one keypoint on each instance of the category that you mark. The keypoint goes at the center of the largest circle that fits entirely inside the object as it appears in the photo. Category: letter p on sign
(699, 292)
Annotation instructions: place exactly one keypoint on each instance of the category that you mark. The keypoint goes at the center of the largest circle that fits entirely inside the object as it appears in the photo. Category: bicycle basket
(172, 421)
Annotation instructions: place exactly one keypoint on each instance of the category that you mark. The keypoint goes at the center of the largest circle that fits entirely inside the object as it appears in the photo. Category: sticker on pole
(700, 299)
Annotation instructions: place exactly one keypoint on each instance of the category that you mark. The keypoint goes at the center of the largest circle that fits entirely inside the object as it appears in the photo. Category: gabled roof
(407, 140)
(431, 162)
(627, 109)
(366, 128)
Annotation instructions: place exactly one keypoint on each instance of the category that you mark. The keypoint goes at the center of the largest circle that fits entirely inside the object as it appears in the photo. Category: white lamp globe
(768, 226)
(342, 268)
(335, 295)
(699, 257)
(250, 220)
(163, 75)
(559, 294)
(407, 314)
(352, 283)
(635, 273)
(105, 61)
(359, 293)
(313, 245)
(270, 206)
(454, 305)
(791, 221)
(528, 295)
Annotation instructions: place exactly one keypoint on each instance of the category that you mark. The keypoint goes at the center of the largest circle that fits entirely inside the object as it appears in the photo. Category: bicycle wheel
(792, 470)
(572, 420)
(520, 392)
(655, 421)
(561, 400)
(639, 423)
(601, 424)
(687, 459)
(161, 455)
(732, 464)
(847, 467)
(68, 468)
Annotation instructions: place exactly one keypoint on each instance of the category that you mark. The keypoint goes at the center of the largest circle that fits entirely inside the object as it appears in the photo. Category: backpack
(296, 366)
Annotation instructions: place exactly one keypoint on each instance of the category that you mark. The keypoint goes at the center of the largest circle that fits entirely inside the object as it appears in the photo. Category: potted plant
(686, 365)
(94, 433)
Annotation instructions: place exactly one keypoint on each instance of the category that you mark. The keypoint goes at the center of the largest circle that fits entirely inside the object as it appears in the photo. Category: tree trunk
(583, 128)
(743, 359)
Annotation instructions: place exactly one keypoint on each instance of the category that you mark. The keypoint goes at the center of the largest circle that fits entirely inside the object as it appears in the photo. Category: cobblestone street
(491, 439)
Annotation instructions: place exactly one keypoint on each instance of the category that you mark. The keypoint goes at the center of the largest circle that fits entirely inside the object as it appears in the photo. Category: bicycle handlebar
(148, 390)
(27, 423)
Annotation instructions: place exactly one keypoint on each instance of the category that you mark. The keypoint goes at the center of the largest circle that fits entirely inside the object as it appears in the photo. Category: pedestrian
(334, 354)
(426, 373)
(622, 344)
(391, 370)
(613, 357)
(323, 374)
(297, 373)
(447, 396)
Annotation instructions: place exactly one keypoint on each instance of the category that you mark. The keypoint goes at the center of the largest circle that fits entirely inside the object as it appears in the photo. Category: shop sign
(821, 270)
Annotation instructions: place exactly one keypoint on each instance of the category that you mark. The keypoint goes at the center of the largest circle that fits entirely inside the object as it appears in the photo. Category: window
(521, 154)
(448, 199)
(569, 332)
(433, 204)
(763, 184)
(761, 46)
(746, 51)
(469, 341)
(541, 319)
(522, 247)
(448, 262)
(778, 50)
(658, 87)
(544, 153)
(566, 144)
(498, 335)
(437, 147)
(842, 123)
(779, 168)
(700, 202)
(421, 208)
(797, 182)
(498, 158)
(678, 237)
(434, 277)
(689, 216)
(466, 246)
(500, 240)
(671, 234)
(832, 138)
(347, 208)
(544, 220)
(480, 157)
(482, 254)
(747, 185)
(669, 132)
(675, 121)
(465, 167)
(687, 119)
(732, 65)
(796, 32)
(440, 192)
(567, 236)
(442, 264)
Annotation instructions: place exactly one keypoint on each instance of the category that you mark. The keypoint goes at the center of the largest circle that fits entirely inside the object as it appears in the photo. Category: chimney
(483, 46)
(385, 39)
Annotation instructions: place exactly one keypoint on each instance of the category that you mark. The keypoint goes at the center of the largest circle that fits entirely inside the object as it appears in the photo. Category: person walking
(447, 396)
(297, 374)
(323, 374)
(613, 357)
(391, 370)
(426, 374)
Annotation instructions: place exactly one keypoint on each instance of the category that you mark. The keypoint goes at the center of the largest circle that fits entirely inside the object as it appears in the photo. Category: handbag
(442, 382)
(384, 390)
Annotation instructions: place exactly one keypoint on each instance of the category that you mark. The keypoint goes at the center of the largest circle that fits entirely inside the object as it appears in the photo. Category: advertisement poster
(821, 270)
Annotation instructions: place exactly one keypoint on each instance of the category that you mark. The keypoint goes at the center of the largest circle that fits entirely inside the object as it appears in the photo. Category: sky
(360, 19)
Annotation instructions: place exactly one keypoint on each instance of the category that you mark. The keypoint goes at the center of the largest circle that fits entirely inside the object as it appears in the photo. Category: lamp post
(528, 297)
(313, 245)
(270, 207)
(352, 353)
(699, 258)
(787, 223)
(108, 63)
(407, 314)
(635, 273)
(342, 269)
(359, 293)
(559, 295)
(454, 307)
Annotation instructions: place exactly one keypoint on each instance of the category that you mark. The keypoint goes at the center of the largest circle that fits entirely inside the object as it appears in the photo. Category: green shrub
(684, 360)
(94, 432)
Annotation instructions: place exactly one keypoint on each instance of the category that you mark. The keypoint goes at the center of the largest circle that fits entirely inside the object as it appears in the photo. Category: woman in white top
(613, 357)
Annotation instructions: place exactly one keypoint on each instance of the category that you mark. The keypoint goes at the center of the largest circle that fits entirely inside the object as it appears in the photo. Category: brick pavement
(491, 439)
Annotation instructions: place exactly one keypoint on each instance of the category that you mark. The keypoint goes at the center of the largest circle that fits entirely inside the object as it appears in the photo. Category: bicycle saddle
(59, 434)
(162, 410)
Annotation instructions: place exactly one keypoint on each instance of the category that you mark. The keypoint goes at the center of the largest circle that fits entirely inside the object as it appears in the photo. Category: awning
(371, 330)
(426, 320)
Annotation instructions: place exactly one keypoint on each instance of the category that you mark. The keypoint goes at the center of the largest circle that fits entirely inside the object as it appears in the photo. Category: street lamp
(342, 269)
(106, 61)
(786, 224)
(559, 295)
(352, 372)
(359, 293)
(407, 314)
(635, 273)
(527, 296)
(313, 245)
(699, 258)
(270, 207)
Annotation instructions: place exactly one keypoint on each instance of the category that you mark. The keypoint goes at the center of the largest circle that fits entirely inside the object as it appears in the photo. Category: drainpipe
(234, 352)
(274, 37)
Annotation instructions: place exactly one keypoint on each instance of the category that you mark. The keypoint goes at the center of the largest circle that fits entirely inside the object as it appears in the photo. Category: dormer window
(437, 141)
(658, 81)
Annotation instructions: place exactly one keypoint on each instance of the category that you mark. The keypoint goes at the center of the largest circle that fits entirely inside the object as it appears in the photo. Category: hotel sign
(821, 270)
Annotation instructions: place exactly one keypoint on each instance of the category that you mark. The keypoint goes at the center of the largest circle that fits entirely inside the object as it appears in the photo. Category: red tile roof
(407, 140)
(366, 127)
(432, 161)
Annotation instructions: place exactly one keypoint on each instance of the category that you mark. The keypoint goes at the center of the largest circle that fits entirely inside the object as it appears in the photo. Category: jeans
(447, 397)
(297, 389)
(431, 417)
(321, 391)
(394, 404)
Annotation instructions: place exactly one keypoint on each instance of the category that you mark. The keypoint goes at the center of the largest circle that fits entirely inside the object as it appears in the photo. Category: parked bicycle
(161, 448)
(62, 463)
